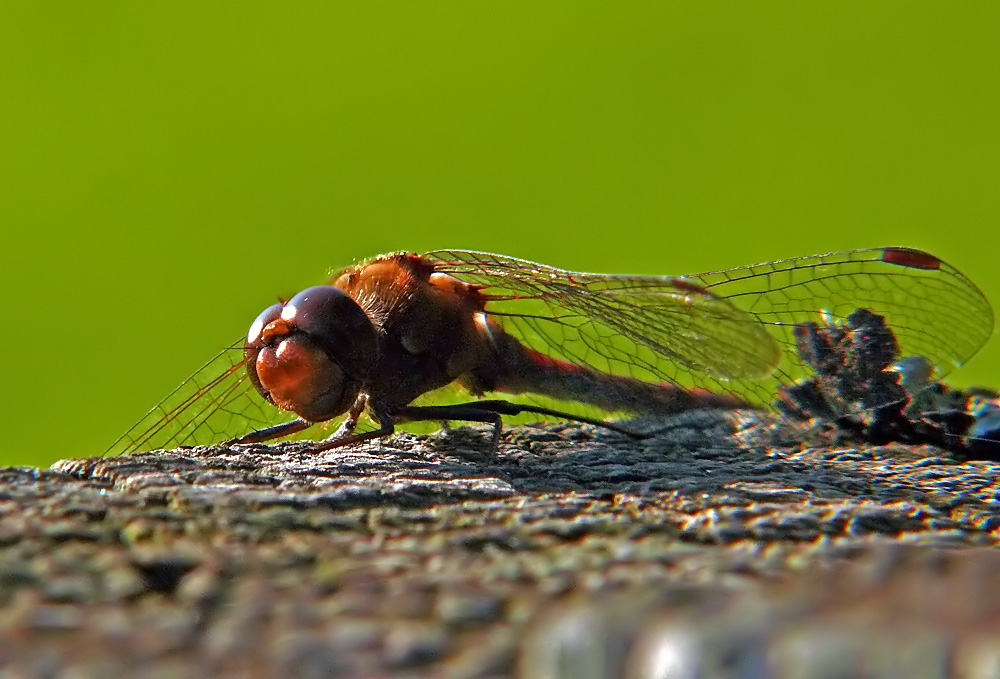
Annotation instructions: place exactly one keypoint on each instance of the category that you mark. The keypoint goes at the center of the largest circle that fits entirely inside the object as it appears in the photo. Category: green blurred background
(168, 168)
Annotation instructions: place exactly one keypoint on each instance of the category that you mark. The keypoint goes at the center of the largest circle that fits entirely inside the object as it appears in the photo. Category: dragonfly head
(313, 354)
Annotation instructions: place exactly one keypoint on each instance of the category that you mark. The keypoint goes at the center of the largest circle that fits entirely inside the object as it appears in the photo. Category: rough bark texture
(571, 552)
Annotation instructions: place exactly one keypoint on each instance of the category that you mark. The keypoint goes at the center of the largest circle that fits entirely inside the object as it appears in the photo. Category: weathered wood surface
(571, 552)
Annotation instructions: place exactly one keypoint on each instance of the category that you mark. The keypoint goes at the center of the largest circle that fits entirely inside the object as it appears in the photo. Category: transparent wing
(728, 331)
(645, 326)
(933, 309)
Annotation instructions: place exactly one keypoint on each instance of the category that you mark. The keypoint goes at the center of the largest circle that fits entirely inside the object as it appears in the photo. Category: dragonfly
(383, 334)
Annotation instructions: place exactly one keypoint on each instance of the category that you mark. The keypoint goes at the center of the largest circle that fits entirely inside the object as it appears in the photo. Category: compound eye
(316, 310)
(313, 354)
(335, 322)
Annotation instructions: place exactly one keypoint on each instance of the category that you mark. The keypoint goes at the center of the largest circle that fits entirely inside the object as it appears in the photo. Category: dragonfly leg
(465, 412)
(329, 443)
(518, 408)
(346, 427)
(344, 435)
(501, 407)
(274, 432)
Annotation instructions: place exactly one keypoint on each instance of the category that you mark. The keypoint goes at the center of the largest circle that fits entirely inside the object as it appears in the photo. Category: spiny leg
(501, 407)
(274, 432)
(465, 412)
(421, 413)
(490, 411)
(298, 424)
(346, 428)
(486, 411)
(383, 430)
(344, 436)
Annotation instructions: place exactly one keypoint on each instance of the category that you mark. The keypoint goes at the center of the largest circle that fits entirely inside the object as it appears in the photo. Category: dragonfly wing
(933, 309)
(730, 331)
(652, 327)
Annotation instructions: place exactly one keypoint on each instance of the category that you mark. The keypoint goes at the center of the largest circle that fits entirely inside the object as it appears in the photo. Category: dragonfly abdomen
(518, 369)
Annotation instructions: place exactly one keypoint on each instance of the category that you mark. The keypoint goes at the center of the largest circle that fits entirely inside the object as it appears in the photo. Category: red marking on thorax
(449, 285)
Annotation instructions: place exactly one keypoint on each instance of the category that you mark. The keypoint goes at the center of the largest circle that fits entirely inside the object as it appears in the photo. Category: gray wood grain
(567, 552)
